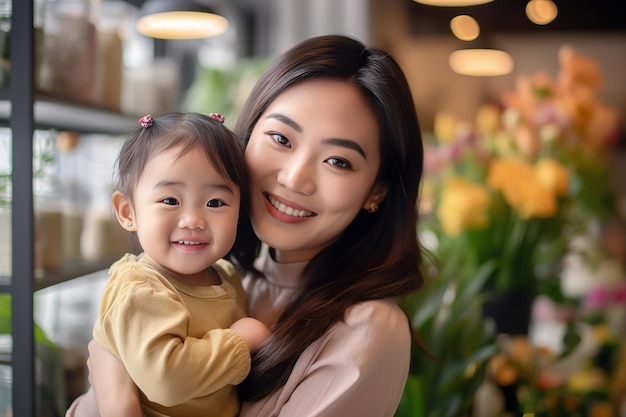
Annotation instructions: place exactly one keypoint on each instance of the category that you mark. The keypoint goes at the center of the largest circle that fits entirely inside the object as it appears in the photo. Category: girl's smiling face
(184, 212)
(313, 157)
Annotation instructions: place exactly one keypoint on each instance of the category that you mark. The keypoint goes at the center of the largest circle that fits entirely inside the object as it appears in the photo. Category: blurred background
(540, 81)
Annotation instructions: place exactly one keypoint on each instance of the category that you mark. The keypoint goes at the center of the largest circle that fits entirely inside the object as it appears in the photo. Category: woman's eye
(280, 139)
(170, 201)
(339, 162)
(215, 203)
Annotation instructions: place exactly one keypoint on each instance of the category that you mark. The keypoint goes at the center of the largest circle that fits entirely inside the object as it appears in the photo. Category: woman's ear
(123, 211)
(378, 194)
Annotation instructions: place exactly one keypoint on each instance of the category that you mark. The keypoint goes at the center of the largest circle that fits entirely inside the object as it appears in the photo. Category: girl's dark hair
(185, 131)
(378, 255)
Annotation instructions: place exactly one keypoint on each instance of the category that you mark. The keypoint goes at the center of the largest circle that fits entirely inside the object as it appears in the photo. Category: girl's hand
(116, 393)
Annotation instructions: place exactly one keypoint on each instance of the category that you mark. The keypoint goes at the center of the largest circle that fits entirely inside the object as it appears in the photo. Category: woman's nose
(297, 174)
(192, 219)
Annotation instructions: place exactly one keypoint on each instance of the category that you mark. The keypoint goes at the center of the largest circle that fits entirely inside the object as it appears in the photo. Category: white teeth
(290, 211)
(188, 242)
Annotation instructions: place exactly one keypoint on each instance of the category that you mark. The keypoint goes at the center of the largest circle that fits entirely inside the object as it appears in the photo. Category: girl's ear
(378, 194)
(123, 211)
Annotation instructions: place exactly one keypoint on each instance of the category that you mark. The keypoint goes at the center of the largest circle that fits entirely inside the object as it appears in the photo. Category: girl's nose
(297, 175)
(192, 219)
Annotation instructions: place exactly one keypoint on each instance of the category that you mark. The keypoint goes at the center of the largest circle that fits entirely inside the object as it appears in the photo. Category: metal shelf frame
(21, 122)
(23, 110)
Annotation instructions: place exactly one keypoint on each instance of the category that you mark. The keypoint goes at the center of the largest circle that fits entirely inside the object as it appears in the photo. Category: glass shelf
(55, 114)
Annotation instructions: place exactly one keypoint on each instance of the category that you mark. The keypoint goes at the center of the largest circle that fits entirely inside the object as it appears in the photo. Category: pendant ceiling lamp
(541, 12)
(465, 27)
(179, 19)
(481, 62)
(452, 3)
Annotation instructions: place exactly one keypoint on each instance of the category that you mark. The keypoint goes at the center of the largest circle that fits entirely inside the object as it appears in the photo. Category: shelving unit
(24, 111)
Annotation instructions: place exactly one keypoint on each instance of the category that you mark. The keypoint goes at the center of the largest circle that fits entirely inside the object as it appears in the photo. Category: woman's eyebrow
(345, 143)
(286, 120)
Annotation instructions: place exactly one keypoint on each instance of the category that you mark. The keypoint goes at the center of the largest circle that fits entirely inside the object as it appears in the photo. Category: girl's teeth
(187, 242)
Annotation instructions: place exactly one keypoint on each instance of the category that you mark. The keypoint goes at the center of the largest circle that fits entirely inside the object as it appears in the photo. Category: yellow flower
(488, 119)
(504, 145)
(587, 380)
(553, 175)
(463, 206)
(445, 126)
(521, 188)
(507, 172)
(602, 333)
(534, 200)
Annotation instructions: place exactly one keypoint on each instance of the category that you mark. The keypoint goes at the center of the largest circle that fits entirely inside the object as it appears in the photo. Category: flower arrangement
(520, 200)
(516, 184)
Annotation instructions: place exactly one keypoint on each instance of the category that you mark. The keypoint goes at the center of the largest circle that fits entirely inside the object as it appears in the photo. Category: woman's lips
(286, 212)
(285, 209)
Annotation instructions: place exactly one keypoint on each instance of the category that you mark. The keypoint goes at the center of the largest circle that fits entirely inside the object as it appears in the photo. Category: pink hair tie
(217, 117)
(146, 121)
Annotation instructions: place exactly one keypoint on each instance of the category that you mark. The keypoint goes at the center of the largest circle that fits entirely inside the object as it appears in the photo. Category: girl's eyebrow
(219, 186)
(345, 143)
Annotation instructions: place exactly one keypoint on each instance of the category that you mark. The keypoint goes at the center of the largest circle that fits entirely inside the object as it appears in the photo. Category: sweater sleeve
(145, 325)
(359, 368)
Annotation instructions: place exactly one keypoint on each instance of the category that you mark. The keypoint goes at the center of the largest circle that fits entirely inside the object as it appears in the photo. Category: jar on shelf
(5, 39)
(5, 240)
(112, 25)
(5, 204)
(67, 66)
(47, 192)
(74, 196)
(49, 252)
(6, 375)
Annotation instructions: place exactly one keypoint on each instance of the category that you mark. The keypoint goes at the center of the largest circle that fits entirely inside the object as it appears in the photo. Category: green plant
(447, 316)
(5, 189)
(44, 156)
(49, 365)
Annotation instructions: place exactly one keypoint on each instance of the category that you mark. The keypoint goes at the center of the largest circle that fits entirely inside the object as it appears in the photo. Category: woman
(334, 152)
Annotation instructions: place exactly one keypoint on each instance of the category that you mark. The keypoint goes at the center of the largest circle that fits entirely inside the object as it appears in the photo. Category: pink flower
(597, 298)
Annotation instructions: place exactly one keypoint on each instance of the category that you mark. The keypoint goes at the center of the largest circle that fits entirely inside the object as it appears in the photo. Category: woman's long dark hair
(378, 255)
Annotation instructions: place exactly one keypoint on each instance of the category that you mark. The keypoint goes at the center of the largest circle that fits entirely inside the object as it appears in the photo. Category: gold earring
(373, 208)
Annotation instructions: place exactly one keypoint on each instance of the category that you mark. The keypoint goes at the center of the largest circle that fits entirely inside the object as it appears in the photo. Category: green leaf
(5, 322)
(412, 402)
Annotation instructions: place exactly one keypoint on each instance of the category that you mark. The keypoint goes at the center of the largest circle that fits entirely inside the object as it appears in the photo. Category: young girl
(166, 313)
(334, 153)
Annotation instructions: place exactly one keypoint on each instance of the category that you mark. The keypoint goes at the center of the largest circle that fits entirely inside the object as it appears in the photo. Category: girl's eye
(170, 201)
(339, 162)
(215, 203)
(280, 139)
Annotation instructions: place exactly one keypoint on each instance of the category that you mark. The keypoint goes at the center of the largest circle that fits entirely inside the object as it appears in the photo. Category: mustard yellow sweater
(174, 338)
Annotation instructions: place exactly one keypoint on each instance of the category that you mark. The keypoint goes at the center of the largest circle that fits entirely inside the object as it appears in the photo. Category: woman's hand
(116, 393)
(253, 332)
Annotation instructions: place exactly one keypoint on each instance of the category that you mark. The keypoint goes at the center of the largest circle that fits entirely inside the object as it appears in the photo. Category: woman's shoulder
(382, 316)
(384, 310)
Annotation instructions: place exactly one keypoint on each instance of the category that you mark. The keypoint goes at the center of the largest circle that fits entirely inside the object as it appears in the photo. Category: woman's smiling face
(313, 157)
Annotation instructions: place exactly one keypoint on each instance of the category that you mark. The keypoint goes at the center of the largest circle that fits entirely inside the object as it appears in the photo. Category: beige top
(174, 338)
(358, 368)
